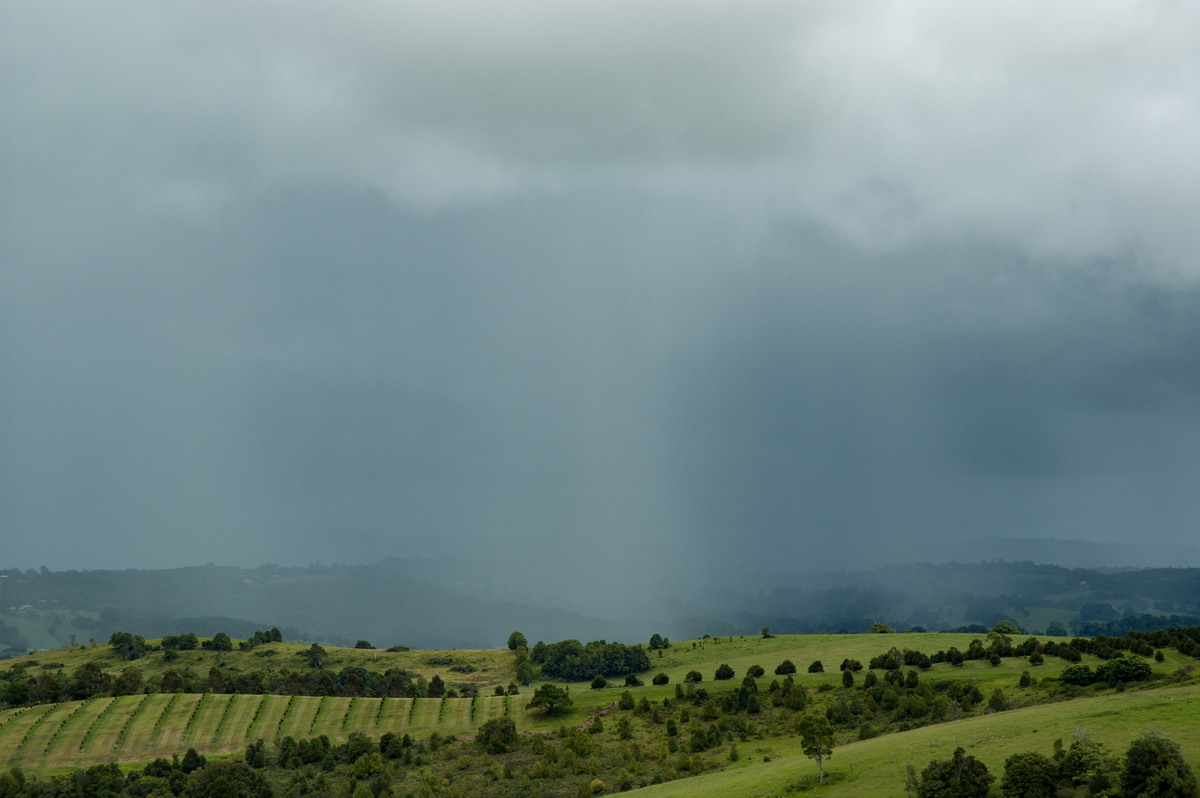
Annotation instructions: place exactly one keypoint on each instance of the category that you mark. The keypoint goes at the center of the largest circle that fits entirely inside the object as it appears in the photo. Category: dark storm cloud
(287, 283)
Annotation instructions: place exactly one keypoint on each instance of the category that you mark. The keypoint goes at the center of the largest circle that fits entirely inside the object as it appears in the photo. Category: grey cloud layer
(284, 282)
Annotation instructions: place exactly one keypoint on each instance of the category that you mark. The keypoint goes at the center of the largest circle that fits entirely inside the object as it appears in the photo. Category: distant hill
(449, 603)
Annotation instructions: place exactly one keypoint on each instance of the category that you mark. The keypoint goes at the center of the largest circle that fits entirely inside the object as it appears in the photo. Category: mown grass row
(143, 727)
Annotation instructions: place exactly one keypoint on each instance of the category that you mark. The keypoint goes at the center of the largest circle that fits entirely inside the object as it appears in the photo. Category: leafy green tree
(847, 678)
(1154, 766)
(1006, 628)
(192, 760)
(219, 642)
(227, 780)
(498, 735)
(256, 754)
(516, 640)
(599, 683)
(816, 740)
(363, 644)
(881, 629)
(962, 776)
(1087, 763)
(128, 646)
(551, 697)
(1123, 669)
(724, 671)
(693, 677)
(1080, 675)
(1029, 775)
(658, 642)
(785, 667)
(756, 671)
(315, 655)
(817, 667)
(437, 688)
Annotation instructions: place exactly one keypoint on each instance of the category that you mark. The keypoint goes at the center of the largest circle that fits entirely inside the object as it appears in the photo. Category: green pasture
(876, 767)
(142, 727)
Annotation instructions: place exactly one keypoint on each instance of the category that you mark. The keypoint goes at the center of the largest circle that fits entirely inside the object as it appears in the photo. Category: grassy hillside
(138, 728)
(877, 767)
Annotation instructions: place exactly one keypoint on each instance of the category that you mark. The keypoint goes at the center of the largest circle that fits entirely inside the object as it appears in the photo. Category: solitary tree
(516, 640)
(551, 697)
(785, 667)
(816, 739)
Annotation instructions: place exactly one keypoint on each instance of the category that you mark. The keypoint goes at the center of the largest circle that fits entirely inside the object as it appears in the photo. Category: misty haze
(594, 319)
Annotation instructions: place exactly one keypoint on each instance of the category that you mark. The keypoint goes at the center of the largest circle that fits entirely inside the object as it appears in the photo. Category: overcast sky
(668, 283)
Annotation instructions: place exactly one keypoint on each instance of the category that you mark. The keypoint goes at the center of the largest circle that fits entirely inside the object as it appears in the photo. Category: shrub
(817, 667)
(785, 667)
(661, 679)
(497, 735)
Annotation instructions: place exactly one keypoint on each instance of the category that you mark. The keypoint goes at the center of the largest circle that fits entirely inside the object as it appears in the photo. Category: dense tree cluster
(20, 687)
(1153, 766)
(573, 661)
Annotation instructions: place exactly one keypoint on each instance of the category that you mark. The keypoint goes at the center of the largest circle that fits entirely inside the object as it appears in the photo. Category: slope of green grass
(876, 767)
(142, 727)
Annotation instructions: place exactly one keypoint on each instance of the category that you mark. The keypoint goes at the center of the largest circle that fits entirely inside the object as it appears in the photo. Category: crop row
(142, 727)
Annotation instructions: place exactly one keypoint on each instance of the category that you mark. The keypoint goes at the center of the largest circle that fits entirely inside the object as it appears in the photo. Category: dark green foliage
(1154, 766)
(315, 655)
(437, 688)
(816, 667)
(363, 644)
(962, 776)
(256, 754)
(658, 642)
(1080, 675)
(498, 735)
(661, 679)
(571, 660)
(192, 760)
(551, 697)
(219, 642)
(785, 667)
(724, 672)
(1087, 764)
(1123, 669)
(631, 680)
(227, 780)
(128, 646)
(599, 683)
(756, 671)
(516, 640)
(847, 678)
(1029, 775)
(626, 702)
(693, 677)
